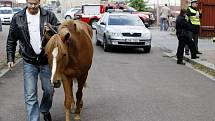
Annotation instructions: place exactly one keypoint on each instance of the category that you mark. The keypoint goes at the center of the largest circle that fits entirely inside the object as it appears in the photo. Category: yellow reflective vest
(194, 19)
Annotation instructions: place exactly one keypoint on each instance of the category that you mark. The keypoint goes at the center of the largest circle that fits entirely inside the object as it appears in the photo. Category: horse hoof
(57, 84)
(77, 117)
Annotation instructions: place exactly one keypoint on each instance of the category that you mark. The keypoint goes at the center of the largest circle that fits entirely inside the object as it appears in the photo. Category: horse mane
(76, 26)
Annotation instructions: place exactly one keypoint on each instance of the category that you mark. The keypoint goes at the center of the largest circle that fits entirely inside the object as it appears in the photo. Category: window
(125, 20)
(5, 12)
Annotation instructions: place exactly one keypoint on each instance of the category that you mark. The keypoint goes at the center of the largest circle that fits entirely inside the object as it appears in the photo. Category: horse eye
(64, 54)
(50, 33)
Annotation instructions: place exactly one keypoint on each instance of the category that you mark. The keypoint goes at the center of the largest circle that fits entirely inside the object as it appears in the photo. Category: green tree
(139, 5)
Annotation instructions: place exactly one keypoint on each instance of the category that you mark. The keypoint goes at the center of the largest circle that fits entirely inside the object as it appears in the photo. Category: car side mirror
(103, 23)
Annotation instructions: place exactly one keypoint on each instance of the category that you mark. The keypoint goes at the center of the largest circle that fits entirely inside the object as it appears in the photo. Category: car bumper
(134, 43)
(5, 21)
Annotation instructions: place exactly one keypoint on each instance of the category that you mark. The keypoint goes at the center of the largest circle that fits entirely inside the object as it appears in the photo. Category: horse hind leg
(69, 101)
(79, 94)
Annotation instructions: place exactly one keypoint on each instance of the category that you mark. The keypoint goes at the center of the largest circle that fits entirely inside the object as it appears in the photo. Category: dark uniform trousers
(194, 37)
(185, 40)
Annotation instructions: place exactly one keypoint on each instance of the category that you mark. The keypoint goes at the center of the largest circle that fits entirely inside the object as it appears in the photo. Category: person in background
(194, 19)
(27, 26)
(0, 25)
(183, 29)
(164, 15)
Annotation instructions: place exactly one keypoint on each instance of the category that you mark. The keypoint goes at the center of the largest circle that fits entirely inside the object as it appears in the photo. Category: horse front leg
(79, 94)
(69, 101)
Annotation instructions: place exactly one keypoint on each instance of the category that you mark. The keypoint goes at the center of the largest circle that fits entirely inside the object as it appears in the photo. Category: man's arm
(54, 21)
(11, 41)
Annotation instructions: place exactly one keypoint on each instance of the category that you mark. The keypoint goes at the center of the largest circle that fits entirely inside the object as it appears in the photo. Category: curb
(6, 69)
(199, 64)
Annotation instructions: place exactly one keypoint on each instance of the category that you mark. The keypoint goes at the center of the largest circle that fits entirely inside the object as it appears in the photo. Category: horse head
(56, 51)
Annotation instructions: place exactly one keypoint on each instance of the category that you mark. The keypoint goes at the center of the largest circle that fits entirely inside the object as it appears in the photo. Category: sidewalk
(169, 42)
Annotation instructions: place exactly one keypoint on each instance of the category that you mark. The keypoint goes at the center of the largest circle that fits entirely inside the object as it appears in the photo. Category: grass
(202, 68)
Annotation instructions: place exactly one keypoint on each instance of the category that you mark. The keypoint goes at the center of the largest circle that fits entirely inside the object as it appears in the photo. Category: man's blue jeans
(31, 74)
(163, 24)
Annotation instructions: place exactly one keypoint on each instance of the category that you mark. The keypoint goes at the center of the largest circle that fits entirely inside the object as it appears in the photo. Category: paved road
(126, 85)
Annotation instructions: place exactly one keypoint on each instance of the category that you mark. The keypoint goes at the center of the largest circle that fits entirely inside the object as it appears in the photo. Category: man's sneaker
(47, 116)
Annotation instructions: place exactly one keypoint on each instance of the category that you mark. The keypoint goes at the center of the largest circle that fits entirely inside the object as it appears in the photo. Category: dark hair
(183, 11)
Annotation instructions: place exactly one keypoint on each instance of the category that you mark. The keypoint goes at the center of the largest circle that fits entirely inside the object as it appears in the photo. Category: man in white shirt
(164, 15)
(27, 28)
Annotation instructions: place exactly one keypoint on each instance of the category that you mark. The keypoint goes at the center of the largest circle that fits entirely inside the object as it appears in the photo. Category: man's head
(33, 6)
(194, 3)
(183, 12)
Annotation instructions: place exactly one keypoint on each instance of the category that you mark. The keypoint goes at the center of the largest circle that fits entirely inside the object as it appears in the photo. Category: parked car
(147, 17)
(71, 12)
(6, 14)
(121, 29)
(16, 9)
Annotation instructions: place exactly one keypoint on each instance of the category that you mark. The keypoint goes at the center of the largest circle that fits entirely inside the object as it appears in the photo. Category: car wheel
(147, 49)
(105, 45)
(68, 17)
(98, 43)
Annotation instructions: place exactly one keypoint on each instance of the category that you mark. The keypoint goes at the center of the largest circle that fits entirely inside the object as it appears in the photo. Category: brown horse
(70, 54)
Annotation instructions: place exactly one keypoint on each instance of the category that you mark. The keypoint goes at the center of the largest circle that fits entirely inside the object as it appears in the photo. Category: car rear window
(125, 20)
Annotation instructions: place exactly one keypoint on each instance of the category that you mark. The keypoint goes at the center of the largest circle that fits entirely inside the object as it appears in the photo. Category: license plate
(132, 40)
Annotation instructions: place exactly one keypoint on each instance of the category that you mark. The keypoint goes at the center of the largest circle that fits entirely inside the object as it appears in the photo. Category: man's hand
(10, 65)
(47, 26)
(200, 11)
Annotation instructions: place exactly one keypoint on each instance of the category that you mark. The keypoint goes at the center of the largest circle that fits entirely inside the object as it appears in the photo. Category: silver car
(120, 29)
(6, 14)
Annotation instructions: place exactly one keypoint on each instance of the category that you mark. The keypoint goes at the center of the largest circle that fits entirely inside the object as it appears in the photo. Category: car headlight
(147, 35)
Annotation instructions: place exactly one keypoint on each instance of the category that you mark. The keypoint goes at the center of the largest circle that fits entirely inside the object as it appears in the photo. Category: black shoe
(180, 62)
(198, 52)
(194, 57)
(47, 116)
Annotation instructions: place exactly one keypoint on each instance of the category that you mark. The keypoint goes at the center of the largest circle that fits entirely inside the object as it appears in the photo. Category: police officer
(194, 19)
(183, 29)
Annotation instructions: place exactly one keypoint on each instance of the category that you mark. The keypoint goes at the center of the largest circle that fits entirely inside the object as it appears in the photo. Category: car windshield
(5, 12)
(73, 10)
(125, 20)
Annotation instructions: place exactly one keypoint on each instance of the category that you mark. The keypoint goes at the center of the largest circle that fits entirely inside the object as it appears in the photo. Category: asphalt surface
(125, 85)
